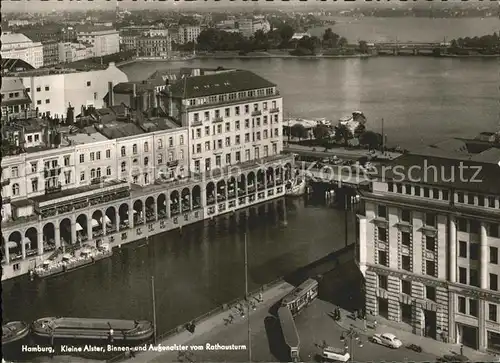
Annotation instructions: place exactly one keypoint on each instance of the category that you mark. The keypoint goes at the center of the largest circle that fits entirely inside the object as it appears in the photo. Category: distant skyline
(85, 5)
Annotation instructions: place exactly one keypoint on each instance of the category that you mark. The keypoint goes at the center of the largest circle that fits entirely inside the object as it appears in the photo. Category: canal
(195, 271)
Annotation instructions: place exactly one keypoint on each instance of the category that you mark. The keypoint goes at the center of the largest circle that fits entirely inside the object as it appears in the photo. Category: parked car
(387, 339)
(415, 348)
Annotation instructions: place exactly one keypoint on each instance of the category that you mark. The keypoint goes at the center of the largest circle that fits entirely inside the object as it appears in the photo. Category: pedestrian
(461, 349)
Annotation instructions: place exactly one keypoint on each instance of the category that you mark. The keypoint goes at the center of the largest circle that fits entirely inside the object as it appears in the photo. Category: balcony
(52, 189)
(274, 110)
(217, 119)
(257, 113)
(172, 163)
(196, 123)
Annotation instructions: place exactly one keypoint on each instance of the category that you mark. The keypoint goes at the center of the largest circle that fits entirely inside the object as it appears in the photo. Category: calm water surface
(194, 272)
(421, 99)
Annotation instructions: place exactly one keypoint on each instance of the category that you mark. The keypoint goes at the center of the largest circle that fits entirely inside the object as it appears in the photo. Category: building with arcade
(120, 173)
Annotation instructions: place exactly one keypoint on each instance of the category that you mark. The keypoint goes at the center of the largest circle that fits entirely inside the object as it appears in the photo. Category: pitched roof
(218, 83)
(128, 87)
(12, 38)
(15, 65)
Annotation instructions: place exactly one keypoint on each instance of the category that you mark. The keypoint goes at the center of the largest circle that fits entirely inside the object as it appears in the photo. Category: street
(313, 326)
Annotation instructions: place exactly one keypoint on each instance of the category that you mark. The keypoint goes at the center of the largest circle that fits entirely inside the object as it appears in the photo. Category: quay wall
(136, 231)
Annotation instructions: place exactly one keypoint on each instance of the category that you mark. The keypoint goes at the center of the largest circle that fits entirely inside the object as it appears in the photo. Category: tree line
(484, 44)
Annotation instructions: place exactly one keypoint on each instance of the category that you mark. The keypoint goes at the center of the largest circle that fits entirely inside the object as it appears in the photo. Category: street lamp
(347, 338)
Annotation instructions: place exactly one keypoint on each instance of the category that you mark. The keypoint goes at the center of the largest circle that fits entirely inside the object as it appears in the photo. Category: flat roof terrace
(65, 196)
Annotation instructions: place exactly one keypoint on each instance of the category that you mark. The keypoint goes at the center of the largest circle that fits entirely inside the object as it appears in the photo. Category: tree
(321, 132)
(286, 33)
(363, 47)
(360, 129)
(342, 134)
(330, 39)
(342, 42)
(372, 139)
(298, 130)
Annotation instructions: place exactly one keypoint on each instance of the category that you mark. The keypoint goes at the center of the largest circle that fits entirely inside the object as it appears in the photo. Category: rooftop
(140, 87)
(13, 38)
(15, 65)
(219, 83)
(12, 84)
(54, 70)
(94, 29)
(470, 175)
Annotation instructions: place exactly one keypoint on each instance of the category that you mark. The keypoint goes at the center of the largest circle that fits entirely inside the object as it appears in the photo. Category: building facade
(104, 41)
(52, 90)
(429, 250)
(72, 52)
(16, 103)
(50, 53)
(153, 46)
(232, 117)
(187, 34)
(18, 46)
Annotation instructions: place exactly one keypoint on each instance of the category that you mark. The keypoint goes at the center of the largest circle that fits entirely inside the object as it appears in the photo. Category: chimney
(111, 96)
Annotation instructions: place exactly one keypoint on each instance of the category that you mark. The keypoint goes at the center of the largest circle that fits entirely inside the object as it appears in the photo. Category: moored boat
(14, 331)
(296, 187)
(89, 328)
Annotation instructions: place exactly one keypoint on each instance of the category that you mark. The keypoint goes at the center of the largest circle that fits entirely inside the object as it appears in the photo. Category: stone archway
(270, 177)
(123, 213)
(174, 203)
(65, 232)
(196, 197)
(221, 191)
(82, 228)
(278, 175)
(138, 213)
(210, 193)
(14, 245)
(242, 185)
(251, 182)
(150, 209)
(186, 200)
(49, 236)
(288, 171)
(261, 180)
(31, 241)
(231, 188)
(110, 219)
(161, 206)
(97, 227)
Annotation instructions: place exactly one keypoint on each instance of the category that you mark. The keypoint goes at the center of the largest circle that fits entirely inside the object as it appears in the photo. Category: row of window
(49, 182)
(472, 252)
(238, 111)
(470, 276)
(406, 287)
(217, 129)
(430, 220)
(469, 306)
(488, 201)
(237, 159)
(231, 96)
(406, 263)
(218, 144)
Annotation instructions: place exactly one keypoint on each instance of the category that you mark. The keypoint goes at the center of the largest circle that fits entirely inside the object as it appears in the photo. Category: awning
(26, 241)
(79, 227)
(11, 244)
(106, 218)
(95, 223)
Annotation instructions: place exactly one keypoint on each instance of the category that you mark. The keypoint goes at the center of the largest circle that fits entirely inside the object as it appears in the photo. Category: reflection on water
(195, 271)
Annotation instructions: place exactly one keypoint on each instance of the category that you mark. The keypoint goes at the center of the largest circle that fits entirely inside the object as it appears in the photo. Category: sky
(81, 5)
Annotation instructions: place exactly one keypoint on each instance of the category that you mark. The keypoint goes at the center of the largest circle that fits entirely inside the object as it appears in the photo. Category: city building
(104, 40)
(52, 90)
(19, 46)
(50, 53)
(232, 116)
(115, 175)
(187, 34)
(128, 41)
(72, 52)
(154, 46)
(248, 27)
(429, 244)
(16, 103)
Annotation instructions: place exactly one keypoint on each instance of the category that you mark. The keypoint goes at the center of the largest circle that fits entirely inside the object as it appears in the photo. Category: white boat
(296, 187)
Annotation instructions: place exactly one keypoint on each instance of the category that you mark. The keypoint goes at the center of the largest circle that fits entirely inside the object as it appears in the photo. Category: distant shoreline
(288, 56)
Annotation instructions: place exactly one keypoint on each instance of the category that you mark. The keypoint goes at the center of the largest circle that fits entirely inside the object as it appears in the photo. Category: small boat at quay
(296, 187)
(14, 331)
(96, 329)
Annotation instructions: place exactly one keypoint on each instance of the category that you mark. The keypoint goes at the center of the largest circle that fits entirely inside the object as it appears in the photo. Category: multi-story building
(72, 52)
(53, 90)
(50, 53)
(104, 40)
(154, 46)
(232, 116)
(187, 34)
(18, 46)
(128, 42)
(429, 248)
(248, 27)
(16, 103)
(115, 175)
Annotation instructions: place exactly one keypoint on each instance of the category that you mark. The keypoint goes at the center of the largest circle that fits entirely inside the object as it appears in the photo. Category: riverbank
(215, 320)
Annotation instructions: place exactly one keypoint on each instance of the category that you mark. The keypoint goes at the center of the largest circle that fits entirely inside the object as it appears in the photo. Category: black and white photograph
(250, 181)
